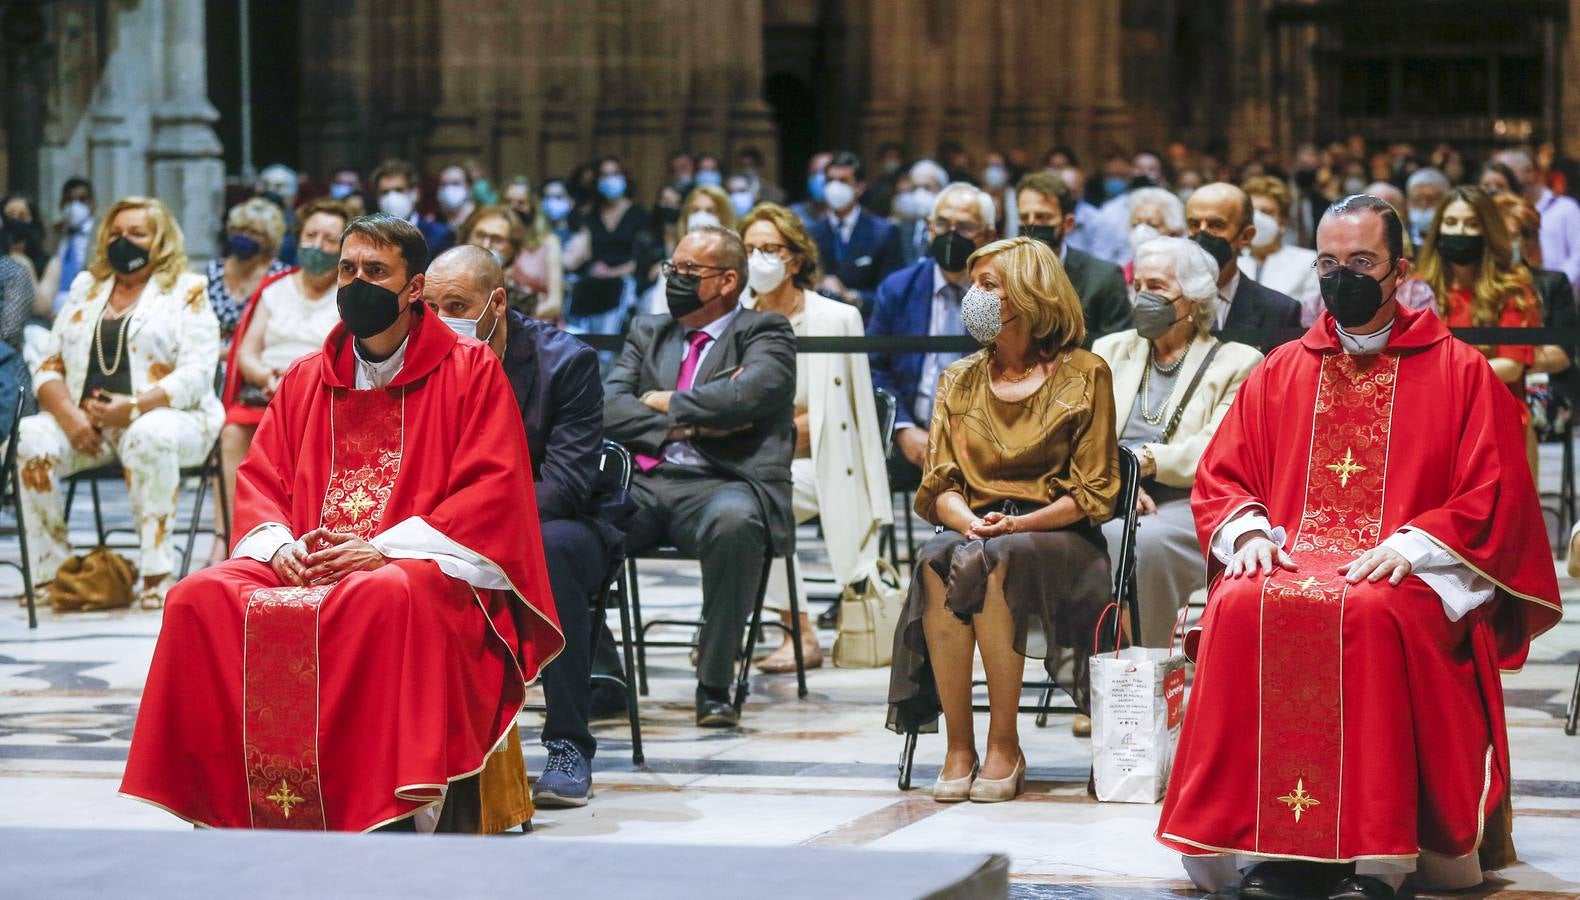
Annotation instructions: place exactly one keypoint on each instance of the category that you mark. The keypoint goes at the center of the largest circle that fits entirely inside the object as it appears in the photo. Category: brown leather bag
(99, 579)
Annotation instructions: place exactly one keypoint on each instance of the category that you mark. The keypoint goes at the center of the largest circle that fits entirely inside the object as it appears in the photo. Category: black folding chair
(888, 412)
(11, 496)
(1124, 592)
(614, 476)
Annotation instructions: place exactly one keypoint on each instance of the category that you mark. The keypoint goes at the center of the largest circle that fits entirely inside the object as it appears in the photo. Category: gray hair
(927, 170)
(730, 252)
(1194, 269)
(1173, 207)
(1426, 177)
(983, 200)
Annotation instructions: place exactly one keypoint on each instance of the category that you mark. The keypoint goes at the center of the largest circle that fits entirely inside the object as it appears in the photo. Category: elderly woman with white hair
(1154, 212)
(253, 231)
(1173, 382)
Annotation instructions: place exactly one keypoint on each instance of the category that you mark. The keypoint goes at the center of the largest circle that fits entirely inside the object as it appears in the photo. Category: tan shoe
(153, 596)
(956, 790)
(1081, 726)
(998, 790)
(782, 660)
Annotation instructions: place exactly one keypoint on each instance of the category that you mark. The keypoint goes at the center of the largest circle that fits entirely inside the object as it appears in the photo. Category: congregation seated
(288, 317)
(838, 473)
(1046, 207)
(1173, 383)
(1221, 219)
(1377, 554)
(128, 377)
(360, 659)
(705, 397)
(1022, 468)
(554, 378)
(502, 232)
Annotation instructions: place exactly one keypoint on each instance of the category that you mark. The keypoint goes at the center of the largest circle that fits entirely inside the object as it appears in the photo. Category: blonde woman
(537, 268)
(1022, 469)
(253, 231)
(128, 375)
(838, 473)
(705, 205)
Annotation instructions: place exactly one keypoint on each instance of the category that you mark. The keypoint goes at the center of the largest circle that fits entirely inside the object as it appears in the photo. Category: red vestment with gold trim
(1335, 722)
(347, 706)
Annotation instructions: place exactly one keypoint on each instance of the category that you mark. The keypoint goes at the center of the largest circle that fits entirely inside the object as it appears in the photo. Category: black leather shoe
(1360, 887)
(714, 709)
(828, 619)
(1275, 881)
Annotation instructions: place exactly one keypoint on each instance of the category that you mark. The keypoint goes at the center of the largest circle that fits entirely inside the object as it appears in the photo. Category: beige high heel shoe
(956, 790)
(997, 790)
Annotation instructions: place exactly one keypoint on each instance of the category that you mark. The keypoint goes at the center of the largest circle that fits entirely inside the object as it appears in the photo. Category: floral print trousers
(153, 451)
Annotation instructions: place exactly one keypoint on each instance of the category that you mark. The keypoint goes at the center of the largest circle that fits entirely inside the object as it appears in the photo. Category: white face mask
(839, 196)
(1266, 230)
(77, 214)
(982, 313)
(702, 219)
(764, 272)
(1140, 234)
(452, 196)
(468, 327)
(397, 203)
(917, 203)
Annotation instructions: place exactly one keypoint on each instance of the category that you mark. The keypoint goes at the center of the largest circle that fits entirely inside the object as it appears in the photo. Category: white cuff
(1456, 584)
(1240, 526)
(263, 542)
(414, 538)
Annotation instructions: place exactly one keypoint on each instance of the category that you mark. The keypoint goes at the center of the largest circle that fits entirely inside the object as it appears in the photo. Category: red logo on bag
(1174, 695)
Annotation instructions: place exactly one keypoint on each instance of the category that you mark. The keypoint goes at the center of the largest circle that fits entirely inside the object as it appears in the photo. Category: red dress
(349, 706)
(1333, 722)
(1459, 316)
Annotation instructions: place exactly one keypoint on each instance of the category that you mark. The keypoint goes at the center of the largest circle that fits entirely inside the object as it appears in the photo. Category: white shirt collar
(1363, 344)
(940, 280)
(716, 328)
(378, 374)
(848, 220)
(1226, 297)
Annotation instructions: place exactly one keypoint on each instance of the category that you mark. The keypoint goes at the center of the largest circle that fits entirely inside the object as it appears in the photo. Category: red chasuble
(1334, 722)
(349, 706)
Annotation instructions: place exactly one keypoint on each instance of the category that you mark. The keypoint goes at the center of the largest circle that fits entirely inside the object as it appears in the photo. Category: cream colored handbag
(869, 609)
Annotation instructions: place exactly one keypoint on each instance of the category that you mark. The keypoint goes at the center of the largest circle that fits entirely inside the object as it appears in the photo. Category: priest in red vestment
(367, 647)
(1377, 554)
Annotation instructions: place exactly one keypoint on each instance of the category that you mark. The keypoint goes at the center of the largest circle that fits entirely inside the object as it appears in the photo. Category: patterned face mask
(982, 314)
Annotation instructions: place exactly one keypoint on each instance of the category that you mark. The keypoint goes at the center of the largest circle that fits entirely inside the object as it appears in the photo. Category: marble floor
(818, 772)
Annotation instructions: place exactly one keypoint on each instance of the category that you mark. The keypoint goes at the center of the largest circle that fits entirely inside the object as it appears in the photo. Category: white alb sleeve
(414, 538)
(263, 542)
(1456, 584)
(1236, 528)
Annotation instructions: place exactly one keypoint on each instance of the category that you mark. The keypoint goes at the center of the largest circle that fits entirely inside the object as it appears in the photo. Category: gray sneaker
(566, 781)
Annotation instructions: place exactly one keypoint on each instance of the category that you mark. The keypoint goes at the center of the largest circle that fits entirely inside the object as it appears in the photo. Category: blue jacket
(903, 306)
(555, 379)
(872, 254)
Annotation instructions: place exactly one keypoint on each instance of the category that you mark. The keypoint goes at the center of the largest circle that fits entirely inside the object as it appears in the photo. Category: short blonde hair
(721, 205)
(789, 225)
(1272, 188)
(167, 254)
(1036, 287)
(261, 216)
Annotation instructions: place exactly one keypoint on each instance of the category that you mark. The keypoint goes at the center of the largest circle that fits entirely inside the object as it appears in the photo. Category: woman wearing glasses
(838, 472)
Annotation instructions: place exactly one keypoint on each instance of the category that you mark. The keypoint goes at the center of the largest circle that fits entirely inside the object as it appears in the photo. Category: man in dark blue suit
(858, 249)
(1218, 217)
(924, 299)
(555, 380)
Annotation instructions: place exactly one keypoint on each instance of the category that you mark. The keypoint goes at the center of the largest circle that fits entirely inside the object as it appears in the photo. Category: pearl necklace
(1156, 418)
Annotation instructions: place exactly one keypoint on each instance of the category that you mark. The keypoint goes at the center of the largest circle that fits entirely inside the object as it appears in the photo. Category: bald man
(555, 380)
(1218, 216)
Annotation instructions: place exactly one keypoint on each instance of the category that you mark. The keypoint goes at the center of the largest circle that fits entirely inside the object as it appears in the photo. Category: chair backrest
(11, 480)
(1125, 508)
(888, 407)
(614, 470)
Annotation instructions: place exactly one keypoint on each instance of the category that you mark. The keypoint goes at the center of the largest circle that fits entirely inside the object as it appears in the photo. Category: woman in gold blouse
(1022, 468)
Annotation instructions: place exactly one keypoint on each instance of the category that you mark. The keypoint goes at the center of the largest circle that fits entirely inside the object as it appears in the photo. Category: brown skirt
(1056, 585)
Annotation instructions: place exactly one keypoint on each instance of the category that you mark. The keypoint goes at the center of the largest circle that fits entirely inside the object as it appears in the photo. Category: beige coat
(172, 342)
(847, 447)
(1126, 353)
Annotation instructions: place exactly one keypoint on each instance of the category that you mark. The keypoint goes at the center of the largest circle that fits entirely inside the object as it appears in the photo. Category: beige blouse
(1059, 442)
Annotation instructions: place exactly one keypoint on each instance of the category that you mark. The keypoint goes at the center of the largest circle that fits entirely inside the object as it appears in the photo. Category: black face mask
(666, 215)
(366, 308)
(16, 231)
(1218, 248)
(124, 256)
(1460, 249)
(1048, 234)
(1351, 297)
(680, 291)
(951, 250)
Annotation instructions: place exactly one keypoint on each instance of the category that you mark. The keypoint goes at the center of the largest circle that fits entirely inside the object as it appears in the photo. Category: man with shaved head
(554, 377)
(1219, 217)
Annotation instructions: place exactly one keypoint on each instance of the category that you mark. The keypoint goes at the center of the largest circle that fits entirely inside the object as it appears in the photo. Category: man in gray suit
(705, 399)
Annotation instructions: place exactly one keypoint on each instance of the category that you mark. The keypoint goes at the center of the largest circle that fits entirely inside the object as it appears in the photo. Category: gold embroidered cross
(1345, 467)
(1308, 584)
(356, 504)
(284, 796)
(1298, 800)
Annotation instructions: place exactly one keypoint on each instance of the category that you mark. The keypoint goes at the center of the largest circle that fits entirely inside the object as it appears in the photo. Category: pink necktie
(695, 341)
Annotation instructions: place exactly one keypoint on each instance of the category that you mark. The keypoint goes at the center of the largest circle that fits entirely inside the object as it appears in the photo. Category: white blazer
(172, 342)
(853, 499)
(1126, 353)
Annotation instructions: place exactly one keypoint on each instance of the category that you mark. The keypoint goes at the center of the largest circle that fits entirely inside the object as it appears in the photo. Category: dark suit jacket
(1101, 286)
(1559, 311)
(1259, 308)
(903, 306)
(873, 253)
(555, 379)
(748, 378)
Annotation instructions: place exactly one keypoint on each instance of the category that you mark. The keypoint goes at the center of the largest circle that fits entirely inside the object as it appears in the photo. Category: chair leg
(224, 504)
(192, 527)
(637, 757)
(795, 624)
(894, 546)
(27, 563)
(907, 758)
(1045, 704)
(910, 530)
(751, 635)
(1573, 723)
(639, 635)
(98, 511)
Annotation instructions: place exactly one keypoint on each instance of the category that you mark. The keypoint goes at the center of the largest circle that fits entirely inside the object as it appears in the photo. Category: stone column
(883, 117)
(334, 66)
(1110, 117)
(1568, 136)
(189, 174)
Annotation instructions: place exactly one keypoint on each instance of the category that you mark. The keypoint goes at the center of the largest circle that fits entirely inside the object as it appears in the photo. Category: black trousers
(577, 562)
(718, 520)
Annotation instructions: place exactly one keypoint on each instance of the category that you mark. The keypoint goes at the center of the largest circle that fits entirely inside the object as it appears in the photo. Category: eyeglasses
(770, 249)
(1360, 265)
(963, 228)
(669, 269)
